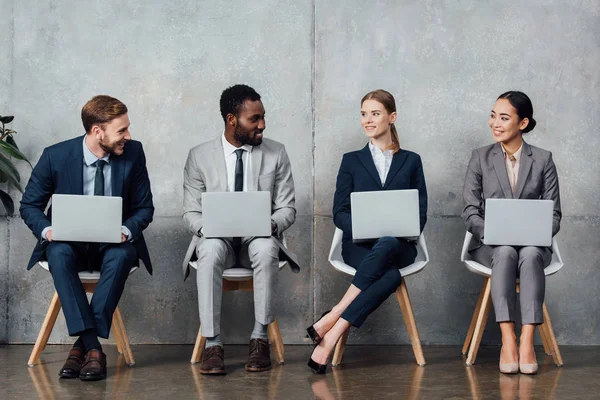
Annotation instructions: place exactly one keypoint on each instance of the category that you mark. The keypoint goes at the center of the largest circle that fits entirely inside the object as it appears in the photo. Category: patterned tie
(99, 178)
(239, 187)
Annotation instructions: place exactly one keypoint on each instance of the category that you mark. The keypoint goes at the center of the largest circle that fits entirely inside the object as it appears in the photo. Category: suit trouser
(214, 257)
(67, 259)
(508, 264)
(377, 276)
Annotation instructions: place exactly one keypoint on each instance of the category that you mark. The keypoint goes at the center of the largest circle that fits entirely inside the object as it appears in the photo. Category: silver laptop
(516, 222)
(78, 218)
(385, 213)
(236, 214)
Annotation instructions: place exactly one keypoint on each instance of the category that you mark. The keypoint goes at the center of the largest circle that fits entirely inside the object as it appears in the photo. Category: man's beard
(108, 148)
(246, 137)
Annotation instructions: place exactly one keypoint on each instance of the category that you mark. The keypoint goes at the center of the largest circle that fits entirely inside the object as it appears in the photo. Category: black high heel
(316, 339)
(316, 368)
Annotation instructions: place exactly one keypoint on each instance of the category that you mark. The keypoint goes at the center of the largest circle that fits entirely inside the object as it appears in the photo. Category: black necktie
(99, 178)
(239, 187)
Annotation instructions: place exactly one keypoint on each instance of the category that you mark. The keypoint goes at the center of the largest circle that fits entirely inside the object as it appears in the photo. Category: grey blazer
(205, 171)
(487, 178)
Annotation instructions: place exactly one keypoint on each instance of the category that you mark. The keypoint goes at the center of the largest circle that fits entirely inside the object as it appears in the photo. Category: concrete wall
(312, 61)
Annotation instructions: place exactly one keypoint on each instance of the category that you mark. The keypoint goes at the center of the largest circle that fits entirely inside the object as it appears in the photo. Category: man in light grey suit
(240, 159)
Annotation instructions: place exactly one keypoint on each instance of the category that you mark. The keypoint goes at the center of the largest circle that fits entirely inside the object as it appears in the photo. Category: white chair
(242, 279)
(480, 314)
(89, 280)
(336, 259)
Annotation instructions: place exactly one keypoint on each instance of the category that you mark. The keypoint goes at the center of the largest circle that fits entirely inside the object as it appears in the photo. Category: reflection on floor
(367, 372)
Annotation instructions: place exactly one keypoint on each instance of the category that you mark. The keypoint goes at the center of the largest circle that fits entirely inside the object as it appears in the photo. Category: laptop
(385, 213)
(517, 222)
(236, 214)
(77, 218)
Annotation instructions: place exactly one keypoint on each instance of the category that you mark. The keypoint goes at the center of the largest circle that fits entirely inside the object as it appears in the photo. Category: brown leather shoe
(259, 358)
(73, 364)
(213, 361)
(94, 368)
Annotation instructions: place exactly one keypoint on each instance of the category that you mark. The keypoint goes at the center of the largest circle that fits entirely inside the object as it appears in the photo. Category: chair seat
(337, 261)
(480, 269)
(84, 276)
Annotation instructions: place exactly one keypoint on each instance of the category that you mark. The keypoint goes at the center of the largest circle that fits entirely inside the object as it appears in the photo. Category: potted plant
(8, 172)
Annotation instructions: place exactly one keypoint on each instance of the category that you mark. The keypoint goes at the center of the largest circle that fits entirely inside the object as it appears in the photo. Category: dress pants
(67, 259)
(215, 255)
(377, 276)
(508, 264)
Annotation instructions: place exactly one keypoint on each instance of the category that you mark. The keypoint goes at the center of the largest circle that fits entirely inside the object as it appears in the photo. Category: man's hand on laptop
(49, 235)
(123, 238)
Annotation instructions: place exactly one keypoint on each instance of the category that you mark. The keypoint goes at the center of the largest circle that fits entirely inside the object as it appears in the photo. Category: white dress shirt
(231, 159)
(382, 160)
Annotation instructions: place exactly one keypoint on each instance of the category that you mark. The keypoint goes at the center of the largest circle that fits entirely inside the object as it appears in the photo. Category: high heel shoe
(528, 369)
(316, 368)
(316, 339)
(508, 368)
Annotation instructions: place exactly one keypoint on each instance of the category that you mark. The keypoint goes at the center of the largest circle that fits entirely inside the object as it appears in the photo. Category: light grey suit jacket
(487, 178)
(206, 171)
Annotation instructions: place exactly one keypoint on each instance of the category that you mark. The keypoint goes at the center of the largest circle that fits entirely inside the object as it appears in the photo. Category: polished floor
(368, 372)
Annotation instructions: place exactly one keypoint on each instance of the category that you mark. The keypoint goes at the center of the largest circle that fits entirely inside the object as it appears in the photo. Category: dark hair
(389, 103)
(233, 97)
(101, 110)
(521, 102)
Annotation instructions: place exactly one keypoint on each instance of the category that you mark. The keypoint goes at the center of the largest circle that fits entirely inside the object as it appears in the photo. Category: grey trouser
(217, 255)
(508, 264)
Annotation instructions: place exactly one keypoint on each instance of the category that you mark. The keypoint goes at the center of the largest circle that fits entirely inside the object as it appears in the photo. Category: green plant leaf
(11, 140)
(6, 119)
(13, 151)
(10, 171)
(3, 177)
(7, 202)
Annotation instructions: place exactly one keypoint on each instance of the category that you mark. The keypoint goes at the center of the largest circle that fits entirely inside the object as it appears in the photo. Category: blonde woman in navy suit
(511, 168)
(380, 165)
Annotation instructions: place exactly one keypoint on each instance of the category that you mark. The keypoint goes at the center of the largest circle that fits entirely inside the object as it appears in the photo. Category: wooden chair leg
(117, 334)
(276, 342)
(339, 349)
(473, 321)
(118, 321)
(542, 329)
(198, 347)
(45, 330)
(409, 321)
(481, 321)
(552, 338)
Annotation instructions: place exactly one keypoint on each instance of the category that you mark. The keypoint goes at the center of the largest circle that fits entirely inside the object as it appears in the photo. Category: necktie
(239, 187)
(99, 178)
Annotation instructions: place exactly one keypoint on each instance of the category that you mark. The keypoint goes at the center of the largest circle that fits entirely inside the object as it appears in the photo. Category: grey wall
(312, 61)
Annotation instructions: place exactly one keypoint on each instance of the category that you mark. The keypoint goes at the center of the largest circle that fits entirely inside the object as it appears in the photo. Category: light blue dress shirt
(89, 175)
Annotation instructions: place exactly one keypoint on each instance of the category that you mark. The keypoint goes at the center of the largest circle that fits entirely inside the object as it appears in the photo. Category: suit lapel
(219, 163)
(117, 172)
(524, 168)
(256, 155)
(366, 159)
(76, 167)
(500, 167)
(397, 163)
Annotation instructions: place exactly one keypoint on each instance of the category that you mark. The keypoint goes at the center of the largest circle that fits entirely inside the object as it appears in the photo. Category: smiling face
(505, 123)
(249, 123)
(112, 136)
(375, 119)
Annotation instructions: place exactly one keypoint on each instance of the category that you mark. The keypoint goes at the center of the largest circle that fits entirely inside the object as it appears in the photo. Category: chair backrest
(84, 276)
(480, 269)
(337, 261)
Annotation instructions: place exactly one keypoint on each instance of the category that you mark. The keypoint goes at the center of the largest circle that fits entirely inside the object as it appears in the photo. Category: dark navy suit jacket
(359, 174)
(60, 170)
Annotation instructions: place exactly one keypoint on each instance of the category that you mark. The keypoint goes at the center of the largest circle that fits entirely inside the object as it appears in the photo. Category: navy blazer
(359, 174)
(60, 170)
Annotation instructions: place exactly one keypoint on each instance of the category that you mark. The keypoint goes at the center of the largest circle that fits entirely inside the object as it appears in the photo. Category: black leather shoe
(316, 339)
(213, 361)
(316, 368)
(259, 356)
(73, 364)
(94, 368)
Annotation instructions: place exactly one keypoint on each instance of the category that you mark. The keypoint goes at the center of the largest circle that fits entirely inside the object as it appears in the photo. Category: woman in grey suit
(511, 168)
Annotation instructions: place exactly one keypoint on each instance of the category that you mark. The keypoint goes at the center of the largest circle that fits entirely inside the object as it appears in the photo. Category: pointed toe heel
(528, 369)
(509, 368)
(312, 333)
(316, 368)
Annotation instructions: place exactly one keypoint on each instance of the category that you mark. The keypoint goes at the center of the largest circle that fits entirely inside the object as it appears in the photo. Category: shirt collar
(516, 154)
(89, 158)
(230, 149)
(374, 150)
